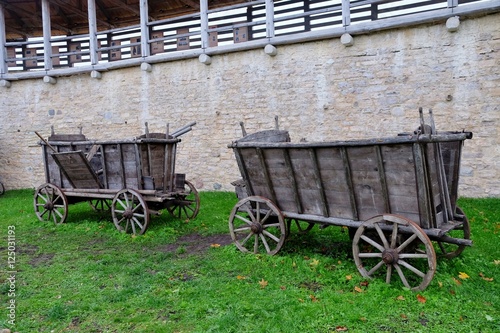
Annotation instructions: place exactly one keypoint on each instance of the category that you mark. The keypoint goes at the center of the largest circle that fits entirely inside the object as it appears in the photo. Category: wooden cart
(132, 178)
(395, 195)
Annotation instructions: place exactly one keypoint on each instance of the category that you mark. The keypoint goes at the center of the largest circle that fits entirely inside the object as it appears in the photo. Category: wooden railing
(244, 26)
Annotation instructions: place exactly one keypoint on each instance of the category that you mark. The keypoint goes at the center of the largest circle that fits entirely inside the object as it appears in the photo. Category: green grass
(84, 276)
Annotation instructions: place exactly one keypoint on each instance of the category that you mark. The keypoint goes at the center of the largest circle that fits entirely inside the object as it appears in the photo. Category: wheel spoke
(373, 243)
(137, 222)
(394, 236)
(407, 242)
(41, 196)
(265, 243)
(411, 268)
(382, 236)
(242, 218)
(371, 255)
(270, 235)
(413, 255)
(376, 267)
(240, 229)
(247, 238)
(256, 244)
(388, 274)
(401, 276)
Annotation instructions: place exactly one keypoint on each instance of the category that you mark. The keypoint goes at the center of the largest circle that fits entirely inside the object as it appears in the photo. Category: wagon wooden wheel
(303, 227)
(392, 245)
(187, 204)
(100, 205)
(50, 204)
(450, 251)
(130, 212)
(258, 227)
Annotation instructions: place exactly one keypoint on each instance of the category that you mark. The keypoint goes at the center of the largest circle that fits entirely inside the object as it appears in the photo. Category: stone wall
(320, 90)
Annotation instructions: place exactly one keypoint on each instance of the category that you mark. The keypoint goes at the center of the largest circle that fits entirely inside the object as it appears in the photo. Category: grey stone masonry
(322, 90)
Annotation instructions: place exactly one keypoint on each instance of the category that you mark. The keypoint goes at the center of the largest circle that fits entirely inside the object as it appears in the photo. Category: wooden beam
(145, 49)
(13, 10)
(204, 24)
(3, 51)
(191, 3)
(269, 18)
(77, 11)
(47, 48)
(94, 59)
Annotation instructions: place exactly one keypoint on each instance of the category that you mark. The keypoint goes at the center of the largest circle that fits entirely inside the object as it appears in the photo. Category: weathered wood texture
(143, 163)
(357, 180)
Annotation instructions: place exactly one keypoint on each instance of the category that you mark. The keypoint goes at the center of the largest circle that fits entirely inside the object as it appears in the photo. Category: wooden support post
(94, 59)
(267, 177)
(346, 13)
(291, 174)
(3, 40)
(205, 37)
(350, 185)
(47, 49)
(145, 49)
(383, 180)
(269, 18)
(319, 182)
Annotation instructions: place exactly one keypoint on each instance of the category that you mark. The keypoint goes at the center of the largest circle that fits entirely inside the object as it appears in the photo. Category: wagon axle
(390, 256)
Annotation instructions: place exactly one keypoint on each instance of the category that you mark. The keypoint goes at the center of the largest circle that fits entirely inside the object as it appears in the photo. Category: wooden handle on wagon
(46, 142)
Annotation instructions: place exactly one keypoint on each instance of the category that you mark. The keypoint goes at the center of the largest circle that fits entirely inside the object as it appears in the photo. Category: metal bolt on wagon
(397, 196)
(133, 178)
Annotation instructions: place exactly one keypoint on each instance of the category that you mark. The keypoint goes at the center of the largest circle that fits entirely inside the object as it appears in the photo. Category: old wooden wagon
(396, 196)
(132, 178)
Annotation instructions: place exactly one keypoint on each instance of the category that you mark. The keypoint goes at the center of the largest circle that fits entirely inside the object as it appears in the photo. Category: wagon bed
(133, 178)
(394, 194)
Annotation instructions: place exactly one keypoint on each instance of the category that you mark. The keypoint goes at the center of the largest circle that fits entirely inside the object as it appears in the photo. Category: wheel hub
(390, 256)
(49, 205)
(128, 214)
(256, 228)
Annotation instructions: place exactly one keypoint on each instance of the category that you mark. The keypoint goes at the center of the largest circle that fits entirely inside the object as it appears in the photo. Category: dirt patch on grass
(193, 244)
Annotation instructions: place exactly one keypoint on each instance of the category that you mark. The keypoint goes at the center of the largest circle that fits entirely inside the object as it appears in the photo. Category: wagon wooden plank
(348, 177)
(422, 187)
(77, 169)
(265, 172)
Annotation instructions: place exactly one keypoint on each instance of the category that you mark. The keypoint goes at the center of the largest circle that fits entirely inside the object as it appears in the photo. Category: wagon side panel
(253, 170)
(399, 167)
(368, 188)
(120, 161)
(334, 175)
(282, 182)
(308, 182)
(153, 163)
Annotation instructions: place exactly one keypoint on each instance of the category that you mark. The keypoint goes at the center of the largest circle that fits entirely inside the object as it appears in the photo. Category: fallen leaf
(348, 277)
(241, 277)
(363, 319)
(452, 292)
(440, 284)
(263, 283)
(457, 281)
(497, 262)
(364, 283)
(339, 262)
(421, 298)
(314, 263)
(463, 275)
(400, 298)
(294, 265)
(485, 278)
(301, 300)
(358, 289)
(489, 318)
(403, 316)
(313, 298)
(283, 287)
(341, 329)
(215, 245)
